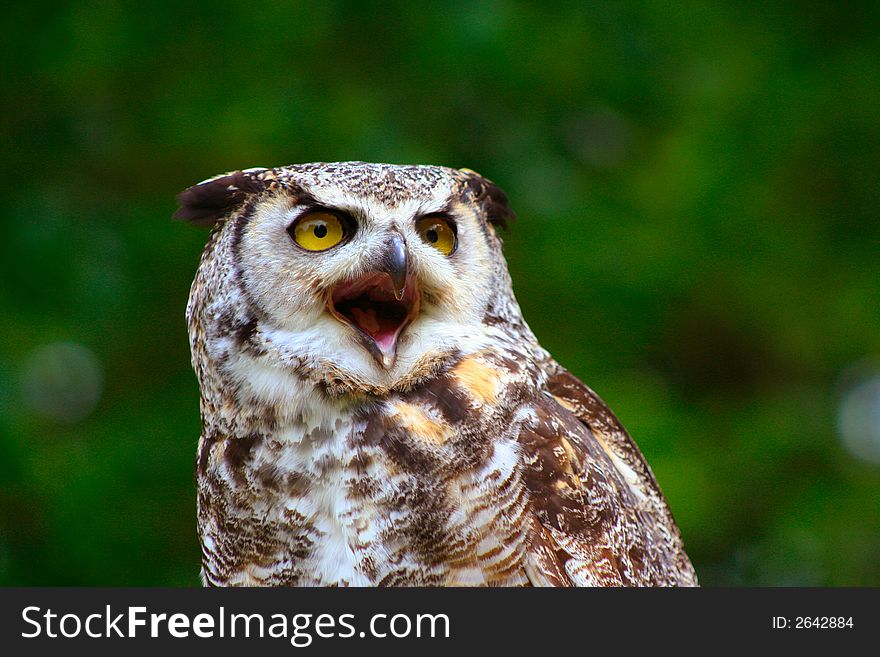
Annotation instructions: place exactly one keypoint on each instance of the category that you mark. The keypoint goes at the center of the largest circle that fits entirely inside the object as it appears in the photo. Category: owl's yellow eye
(438, 232)
(318, 231)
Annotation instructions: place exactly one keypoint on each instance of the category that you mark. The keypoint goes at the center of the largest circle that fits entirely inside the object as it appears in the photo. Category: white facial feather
(289, 285)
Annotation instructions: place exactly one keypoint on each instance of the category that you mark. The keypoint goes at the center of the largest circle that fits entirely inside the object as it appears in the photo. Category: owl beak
(380, 304)
(394, 263)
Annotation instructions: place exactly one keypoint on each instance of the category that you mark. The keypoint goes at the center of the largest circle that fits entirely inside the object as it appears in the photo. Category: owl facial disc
(379, 306)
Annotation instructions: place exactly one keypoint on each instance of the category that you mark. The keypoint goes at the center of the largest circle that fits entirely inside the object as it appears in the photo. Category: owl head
(360, 277)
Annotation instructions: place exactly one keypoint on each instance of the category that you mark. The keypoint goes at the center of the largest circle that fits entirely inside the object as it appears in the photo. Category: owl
(375, 409)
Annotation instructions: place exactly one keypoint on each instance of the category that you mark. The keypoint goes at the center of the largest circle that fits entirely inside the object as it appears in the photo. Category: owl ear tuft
(204, 204)
(490, 198)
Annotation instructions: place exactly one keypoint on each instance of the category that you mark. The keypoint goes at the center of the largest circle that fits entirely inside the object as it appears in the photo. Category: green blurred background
(698, 239)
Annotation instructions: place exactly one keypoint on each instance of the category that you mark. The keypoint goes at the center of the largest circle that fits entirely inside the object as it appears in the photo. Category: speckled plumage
(467, 457)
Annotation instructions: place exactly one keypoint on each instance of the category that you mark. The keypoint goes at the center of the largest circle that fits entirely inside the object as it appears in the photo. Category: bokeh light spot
(858, 420)
(62, 381)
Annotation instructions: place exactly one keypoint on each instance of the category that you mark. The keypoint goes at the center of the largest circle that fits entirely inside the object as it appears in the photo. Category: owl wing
(599, 517)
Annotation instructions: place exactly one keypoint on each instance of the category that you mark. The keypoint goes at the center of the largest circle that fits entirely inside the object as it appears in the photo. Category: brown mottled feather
(596, 497)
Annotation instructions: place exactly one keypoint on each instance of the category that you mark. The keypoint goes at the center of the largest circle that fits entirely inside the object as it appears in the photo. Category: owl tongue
(369, 304)
(366, 319)
(381, 328)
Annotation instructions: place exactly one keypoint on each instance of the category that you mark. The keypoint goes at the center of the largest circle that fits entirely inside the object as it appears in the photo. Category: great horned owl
(375, 410)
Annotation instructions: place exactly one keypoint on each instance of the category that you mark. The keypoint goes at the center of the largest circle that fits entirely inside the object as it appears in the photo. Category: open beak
(379, 304)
